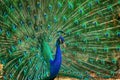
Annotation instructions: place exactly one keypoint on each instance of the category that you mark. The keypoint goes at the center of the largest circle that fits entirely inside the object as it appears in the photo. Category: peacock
(41, 39)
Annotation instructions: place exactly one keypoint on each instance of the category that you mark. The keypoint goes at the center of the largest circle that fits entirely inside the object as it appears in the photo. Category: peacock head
(60, 40)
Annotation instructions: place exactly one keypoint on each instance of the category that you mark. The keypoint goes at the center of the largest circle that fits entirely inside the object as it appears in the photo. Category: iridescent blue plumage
(56, 63)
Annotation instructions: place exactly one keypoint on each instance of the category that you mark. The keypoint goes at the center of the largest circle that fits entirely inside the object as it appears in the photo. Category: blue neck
(58, 54)
(56, 63)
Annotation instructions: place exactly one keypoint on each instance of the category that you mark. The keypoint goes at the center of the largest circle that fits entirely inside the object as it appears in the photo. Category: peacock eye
(50, 7)
(20, 5)
(38, 5)
(0, 29)
(59, 5)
